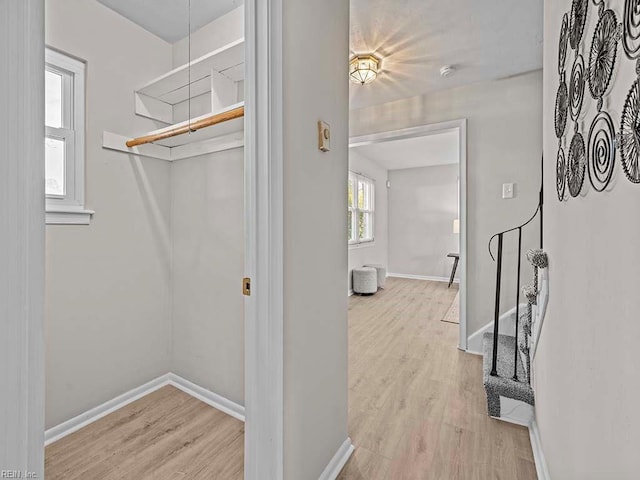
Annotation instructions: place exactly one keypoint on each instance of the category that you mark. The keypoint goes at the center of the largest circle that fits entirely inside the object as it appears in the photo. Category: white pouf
(365, 280)
(382, 273)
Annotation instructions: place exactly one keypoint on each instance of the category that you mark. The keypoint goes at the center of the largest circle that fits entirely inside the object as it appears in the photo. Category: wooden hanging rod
(203, 123)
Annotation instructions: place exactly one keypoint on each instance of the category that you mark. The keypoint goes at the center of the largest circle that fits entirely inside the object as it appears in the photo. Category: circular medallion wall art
(629, 138)
(562, 44)
(631, 25)
(578, 19)
(602, 58)
(576, 165)
(601, 151)
(576, 88)
(562, 106)
(561, 174)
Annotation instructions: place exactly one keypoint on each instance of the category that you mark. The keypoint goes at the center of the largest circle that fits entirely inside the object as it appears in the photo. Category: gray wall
(585, 370)
(315, 248)
(108, 284)
(423, 203)
(208, 249)
(504, 138)
(378, 251)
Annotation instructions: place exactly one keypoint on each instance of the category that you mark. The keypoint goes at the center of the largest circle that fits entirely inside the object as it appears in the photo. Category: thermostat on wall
(324, 136)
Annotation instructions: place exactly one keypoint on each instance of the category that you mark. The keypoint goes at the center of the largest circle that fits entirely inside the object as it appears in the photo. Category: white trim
(22, 371)
(338, 461)
(370, 243)
(350, 292)
(212, 399)
(507, 327)
(430, 129)
(422, 277)
(68, 216)
(538, 453)
(264, 241)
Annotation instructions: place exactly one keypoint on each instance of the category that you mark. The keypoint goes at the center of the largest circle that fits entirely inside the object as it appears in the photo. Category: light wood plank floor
(417, 411)
(165, 435)
(417, 408)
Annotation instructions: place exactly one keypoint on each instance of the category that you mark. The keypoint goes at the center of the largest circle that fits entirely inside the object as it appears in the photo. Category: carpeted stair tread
(503, 385)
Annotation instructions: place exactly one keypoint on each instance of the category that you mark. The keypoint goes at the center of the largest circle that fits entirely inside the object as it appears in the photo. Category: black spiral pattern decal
(576, 88)
(578, 19)
(563, 44)
(630, 135)
(631, 26)
(562, 106)
(561, 174)
(601, 151)
(576, 165)
(602, 58)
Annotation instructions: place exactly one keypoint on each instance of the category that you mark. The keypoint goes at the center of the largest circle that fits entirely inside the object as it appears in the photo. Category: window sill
(362, 245)
(68, 216)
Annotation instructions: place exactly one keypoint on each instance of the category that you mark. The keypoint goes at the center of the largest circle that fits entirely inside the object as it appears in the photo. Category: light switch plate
(507, 190)
(324, 136)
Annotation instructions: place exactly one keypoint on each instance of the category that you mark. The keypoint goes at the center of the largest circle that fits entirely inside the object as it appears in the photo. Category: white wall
(22, 236)
(208, 249)
(315, 248)
(423, 203)
(585, 370)
(108, 284)
(376, 252)
(504, 134)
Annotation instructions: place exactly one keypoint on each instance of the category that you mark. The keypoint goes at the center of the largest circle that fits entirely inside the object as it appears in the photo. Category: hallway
(416, 403)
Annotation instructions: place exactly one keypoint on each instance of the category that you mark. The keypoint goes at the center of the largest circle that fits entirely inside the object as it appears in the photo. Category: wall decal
(576, 165)
(562, 106)
(561, 174)
(562, 46)
(578, 19)
(631, 25)
(601, 151)
(630, 133)
(576, 88)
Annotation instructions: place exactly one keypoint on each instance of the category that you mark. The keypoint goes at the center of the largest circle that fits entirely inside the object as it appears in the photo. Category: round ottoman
(365, 281)
(382, 273)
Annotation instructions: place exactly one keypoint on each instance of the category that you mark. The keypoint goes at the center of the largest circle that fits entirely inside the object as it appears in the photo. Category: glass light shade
(363, 68)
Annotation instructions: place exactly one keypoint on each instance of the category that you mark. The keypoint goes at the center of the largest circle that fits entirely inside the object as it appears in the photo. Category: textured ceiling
(484, 40)
(168, 19)
(427, 151)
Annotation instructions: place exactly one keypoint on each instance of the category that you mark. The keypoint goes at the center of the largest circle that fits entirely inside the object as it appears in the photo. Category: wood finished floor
(416, 411)
(417, 408)
(165, 435)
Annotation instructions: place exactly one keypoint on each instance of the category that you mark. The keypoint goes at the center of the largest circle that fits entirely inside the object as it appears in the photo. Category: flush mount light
(364, 68)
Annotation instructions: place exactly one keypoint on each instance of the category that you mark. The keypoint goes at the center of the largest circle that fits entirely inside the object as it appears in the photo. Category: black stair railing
(498, 259)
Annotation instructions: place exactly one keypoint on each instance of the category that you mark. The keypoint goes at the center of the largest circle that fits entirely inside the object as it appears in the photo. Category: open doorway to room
(406, 212)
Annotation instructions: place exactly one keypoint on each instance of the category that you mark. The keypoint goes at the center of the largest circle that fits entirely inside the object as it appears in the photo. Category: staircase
(507, 359)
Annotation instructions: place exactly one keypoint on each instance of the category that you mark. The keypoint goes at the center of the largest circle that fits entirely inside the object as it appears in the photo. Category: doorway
(374, 145)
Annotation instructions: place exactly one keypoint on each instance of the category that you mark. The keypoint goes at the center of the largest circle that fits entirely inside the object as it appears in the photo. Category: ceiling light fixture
(364, 68)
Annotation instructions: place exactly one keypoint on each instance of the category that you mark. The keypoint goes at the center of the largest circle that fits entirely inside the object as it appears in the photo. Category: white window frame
(357, 241)
(69, 209)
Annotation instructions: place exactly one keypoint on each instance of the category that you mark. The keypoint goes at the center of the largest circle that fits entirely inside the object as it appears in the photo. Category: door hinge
(246, 286)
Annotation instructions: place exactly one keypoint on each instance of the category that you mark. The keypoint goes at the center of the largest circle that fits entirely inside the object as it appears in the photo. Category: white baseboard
(338, 461)
(507, 327)
(421, 277)
(213, 399)
(73, 425)
(350, 293)
(538, 454)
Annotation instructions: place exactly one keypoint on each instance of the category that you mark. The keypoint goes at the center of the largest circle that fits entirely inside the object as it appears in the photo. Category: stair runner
(503, 384)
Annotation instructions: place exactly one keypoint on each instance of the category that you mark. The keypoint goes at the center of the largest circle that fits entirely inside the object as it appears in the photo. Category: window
(64, 139)
(361, 201)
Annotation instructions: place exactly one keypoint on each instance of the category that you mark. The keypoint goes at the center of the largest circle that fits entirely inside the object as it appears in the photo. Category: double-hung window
(361, 202)
(64, 139)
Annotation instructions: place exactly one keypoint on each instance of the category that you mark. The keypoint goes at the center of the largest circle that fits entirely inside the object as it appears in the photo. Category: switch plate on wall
(324, 136)
(507, 190)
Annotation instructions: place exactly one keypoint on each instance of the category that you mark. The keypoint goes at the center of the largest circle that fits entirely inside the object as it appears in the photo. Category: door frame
(422, 131)
(264, 241)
